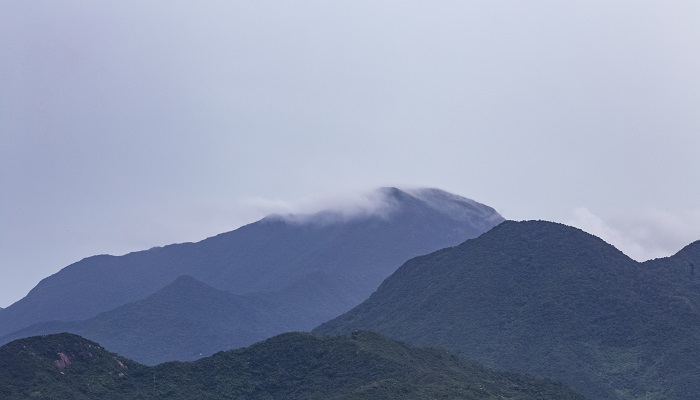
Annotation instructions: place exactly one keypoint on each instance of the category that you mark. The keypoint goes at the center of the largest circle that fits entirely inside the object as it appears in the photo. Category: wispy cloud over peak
(382, 202)
(329, 209)
(643, 235)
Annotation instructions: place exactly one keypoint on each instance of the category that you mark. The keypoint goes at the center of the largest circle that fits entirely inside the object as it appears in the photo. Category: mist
(645, 234)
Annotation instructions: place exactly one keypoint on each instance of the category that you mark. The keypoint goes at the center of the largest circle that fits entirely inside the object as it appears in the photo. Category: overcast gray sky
(131, 124)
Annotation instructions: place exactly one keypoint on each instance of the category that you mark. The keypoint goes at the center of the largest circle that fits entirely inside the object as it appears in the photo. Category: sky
(133, 124)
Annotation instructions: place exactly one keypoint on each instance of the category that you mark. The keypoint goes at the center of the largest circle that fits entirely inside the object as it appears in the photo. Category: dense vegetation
(290, 366)
(61, 366)
(552, 300)
(334, 260)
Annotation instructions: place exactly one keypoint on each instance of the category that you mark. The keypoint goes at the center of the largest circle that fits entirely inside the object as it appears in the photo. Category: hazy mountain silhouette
(290, 366)
(328, 261)
(188, 320)
(552, 300)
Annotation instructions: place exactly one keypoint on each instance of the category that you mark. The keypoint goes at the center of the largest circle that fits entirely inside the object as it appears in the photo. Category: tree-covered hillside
(290, 366)
(544, 298)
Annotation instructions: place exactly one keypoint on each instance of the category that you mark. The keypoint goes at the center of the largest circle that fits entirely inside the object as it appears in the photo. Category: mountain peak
(692, 250)
(319, 264)
(187, 280)
(184, 286)
(542, 232)
(61, 353)
(549, 299)
(386, 202)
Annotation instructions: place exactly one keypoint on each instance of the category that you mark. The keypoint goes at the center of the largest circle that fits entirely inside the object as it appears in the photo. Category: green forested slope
(552, 300)
(289, 366)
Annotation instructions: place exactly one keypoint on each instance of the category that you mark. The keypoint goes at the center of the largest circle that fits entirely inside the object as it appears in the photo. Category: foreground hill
(188, 320)
(340, 255)
(290, 366)
(548, 299)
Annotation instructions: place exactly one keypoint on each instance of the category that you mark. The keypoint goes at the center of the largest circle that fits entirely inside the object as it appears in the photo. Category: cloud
(644, 234)
(326, 209)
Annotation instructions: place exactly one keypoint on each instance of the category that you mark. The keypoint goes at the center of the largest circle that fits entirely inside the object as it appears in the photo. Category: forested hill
(290, 366)
(544, 298)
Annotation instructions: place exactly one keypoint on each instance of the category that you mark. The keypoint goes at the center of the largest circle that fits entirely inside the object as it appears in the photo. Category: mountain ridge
(185, 321)
(544, 298)
(291, 366)
(338, 261)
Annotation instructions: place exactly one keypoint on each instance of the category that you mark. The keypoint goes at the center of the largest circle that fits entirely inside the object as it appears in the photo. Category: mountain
(334, 256)
(187, 320)
(679, 269)
(290, 366)
(61, 366)
(551, 300)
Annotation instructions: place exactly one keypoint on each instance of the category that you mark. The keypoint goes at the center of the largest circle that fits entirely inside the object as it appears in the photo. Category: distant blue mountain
(318, 265)
(188, 320)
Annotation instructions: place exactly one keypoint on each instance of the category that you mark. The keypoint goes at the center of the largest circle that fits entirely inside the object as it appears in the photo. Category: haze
(127, 125)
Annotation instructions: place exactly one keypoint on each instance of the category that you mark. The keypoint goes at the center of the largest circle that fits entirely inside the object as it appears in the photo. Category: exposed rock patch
(63, 362)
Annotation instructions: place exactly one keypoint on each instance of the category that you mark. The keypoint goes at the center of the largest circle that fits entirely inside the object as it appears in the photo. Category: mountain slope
(290, 366)
(61, 367)
(188, 320)
(277, 254)
(548, 299)
(682, 269)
